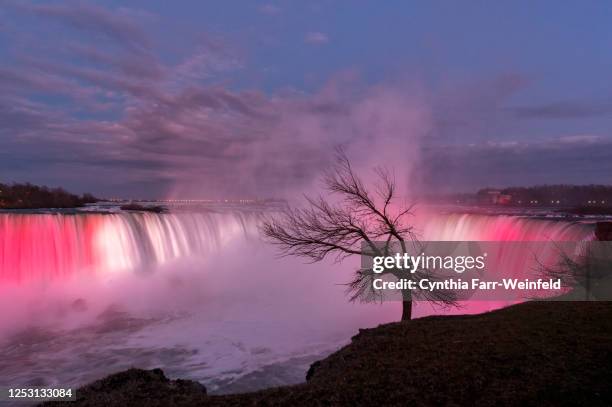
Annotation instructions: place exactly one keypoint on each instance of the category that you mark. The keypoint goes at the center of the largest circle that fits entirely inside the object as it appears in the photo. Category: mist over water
(198, 294)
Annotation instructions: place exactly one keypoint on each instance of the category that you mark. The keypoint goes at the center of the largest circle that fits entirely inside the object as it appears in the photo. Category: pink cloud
(317, 38)
(269, 9)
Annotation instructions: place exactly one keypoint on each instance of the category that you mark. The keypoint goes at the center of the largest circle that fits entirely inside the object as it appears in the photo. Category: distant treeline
(28, 196)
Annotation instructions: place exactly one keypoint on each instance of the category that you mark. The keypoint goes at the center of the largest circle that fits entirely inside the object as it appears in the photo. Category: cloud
(269, 9)
(473, 111)
(82, 112)
(118, 26)
(250, 143)
(211, 57)
(316, 38)
(566, 159)
(138, 122)
(563, 110)
(210, 141)
(137, 66)
(582, 138)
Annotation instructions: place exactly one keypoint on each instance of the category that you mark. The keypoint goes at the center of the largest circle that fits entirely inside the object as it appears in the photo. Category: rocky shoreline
(536, 353)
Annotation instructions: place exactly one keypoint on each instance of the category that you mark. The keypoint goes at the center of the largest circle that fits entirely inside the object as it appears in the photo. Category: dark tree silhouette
(364, 221)
(28, 196)
(587, 270)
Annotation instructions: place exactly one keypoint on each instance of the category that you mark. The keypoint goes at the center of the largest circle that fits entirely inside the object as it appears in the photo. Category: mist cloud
(114, 112)
(132, 118)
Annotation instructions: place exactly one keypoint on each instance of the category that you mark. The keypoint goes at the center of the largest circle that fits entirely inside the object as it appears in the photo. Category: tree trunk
(406, 310)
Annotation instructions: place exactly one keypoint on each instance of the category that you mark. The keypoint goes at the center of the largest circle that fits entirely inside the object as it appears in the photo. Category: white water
(197, 294)
(43, 247)
(463, 227)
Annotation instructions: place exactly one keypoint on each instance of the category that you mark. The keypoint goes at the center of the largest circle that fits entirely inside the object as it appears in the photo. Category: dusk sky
(239, 99)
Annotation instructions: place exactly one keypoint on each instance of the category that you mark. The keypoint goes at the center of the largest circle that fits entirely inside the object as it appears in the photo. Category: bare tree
(586, 270)
(364, 222)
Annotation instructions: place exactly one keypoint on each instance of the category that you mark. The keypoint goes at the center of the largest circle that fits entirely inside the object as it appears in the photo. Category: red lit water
(43, 247)
(54, 246)
(197, 294)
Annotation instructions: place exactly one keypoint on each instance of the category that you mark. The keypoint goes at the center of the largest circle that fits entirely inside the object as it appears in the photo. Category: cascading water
(463, 227)
(48, 246)
(197, 294)
(488, 228)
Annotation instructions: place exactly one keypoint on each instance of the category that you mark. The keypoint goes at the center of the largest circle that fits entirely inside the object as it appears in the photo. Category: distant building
(504, 199)
(494, 197)
(488, 196)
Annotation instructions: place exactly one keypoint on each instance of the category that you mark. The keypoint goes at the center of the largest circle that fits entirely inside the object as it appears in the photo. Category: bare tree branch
(322, 229)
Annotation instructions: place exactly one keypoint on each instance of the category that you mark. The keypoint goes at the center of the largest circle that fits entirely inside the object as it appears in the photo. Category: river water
(196, 293)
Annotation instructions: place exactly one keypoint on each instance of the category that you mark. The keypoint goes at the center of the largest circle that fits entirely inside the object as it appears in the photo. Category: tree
(364, 221)
(584, 269)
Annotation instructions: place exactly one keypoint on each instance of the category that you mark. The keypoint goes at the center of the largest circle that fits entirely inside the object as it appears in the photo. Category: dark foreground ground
(532, 354)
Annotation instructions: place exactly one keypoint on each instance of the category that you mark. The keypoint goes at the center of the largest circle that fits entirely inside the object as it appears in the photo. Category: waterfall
(48, 246)
(464, 227)
(208, 320)
(492, 228)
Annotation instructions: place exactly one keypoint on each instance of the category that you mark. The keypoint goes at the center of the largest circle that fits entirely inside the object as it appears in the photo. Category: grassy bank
(541, 354)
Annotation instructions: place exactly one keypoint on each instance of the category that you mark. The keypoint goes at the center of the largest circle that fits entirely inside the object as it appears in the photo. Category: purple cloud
(564, 110)
(316, 38)
(91, 18)
(169, 123)
(269, 9)
(462, 168)
(122, 112)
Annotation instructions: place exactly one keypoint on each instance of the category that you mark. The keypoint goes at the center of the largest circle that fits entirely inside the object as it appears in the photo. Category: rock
(535, 353)
(138, 387)
(312, 370)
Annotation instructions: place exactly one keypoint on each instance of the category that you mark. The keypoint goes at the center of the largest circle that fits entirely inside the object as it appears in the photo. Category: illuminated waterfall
(47, 246)
(463, 227)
